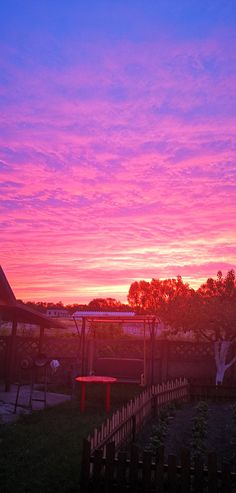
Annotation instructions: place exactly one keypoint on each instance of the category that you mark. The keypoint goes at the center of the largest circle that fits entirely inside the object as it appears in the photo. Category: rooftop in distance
(87, 313)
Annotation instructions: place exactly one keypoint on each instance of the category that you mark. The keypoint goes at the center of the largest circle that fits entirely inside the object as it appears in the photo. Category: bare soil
(221, 431)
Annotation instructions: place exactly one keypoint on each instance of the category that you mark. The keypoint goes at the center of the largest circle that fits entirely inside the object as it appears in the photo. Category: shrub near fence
(123, 425)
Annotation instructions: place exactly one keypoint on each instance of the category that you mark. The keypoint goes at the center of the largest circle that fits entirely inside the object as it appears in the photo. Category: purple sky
(117, 159)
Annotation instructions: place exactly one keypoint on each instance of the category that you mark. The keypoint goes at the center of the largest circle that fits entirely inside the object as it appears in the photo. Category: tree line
(97, 304)
(208, 312)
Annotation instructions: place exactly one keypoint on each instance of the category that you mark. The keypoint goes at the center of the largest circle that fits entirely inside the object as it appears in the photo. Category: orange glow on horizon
(117, 150)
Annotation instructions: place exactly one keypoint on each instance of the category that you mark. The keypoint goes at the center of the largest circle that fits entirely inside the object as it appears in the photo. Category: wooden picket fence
(123, 425)
(147, 473)
(200, 390)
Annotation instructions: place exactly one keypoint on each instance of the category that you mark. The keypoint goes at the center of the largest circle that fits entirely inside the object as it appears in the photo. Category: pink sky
(117, 159)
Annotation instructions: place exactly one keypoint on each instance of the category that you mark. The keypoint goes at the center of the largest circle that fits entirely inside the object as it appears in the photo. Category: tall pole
(83, 346)
(152, 349)
(144, 355)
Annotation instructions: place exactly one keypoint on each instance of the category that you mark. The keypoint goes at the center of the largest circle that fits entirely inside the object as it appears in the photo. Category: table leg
(108, 396)
(82, 397)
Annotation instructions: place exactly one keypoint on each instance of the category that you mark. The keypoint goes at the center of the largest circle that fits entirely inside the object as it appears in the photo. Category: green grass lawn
(42, 452)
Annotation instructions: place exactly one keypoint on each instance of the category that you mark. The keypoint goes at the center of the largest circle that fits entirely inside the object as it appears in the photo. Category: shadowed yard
(41, 452)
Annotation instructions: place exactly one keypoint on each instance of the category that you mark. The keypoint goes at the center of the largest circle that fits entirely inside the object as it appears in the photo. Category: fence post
(154, 405)
(133, 428)
(212, 473)
(97, 468)
(159, 473)
(198, 475)
(85, 466)
(133, 471)
(226, 479)
(172, 473)
(146, 472)
(185, 470)
(109, 467)
(121, 471)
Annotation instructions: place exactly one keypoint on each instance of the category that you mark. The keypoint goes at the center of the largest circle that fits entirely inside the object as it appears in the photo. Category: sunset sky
(117, 136)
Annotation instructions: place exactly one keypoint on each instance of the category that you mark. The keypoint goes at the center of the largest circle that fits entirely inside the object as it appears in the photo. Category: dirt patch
(220, 434)
(179, 431)
(221, 431)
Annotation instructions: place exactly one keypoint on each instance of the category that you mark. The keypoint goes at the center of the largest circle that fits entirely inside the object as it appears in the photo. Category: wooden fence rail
(215, 393)
(127, 421)
(147, 473)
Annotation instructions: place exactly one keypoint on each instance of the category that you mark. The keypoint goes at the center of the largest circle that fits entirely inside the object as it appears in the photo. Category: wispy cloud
(117, 163)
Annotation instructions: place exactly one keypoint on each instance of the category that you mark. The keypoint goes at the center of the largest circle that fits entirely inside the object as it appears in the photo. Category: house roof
(6, 294)
(21, 313)
(115, 317)
(101, 313)
(11, 309)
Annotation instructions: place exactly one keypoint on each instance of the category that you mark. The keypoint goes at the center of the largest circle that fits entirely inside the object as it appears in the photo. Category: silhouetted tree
(216, 317)
(210, 313)
(107, 304)
(155, 297)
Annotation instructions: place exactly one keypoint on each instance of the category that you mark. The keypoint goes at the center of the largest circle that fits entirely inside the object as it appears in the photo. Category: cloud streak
(117, 160)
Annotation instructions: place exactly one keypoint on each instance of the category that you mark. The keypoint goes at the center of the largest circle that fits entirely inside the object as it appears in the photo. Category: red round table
(95, 379)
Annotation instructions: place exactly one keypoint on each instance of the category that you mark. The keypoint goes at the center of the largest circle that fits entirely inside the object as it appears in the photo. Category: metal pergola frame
(145, 320)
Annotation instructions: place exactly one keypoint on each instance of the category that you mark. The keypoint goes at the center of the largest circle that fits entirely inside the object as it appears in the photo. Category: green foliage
(107, 304)
(158, 434)
(209, 312)
(154, 297)
(106, 330)
(199, 430)
(159, 430)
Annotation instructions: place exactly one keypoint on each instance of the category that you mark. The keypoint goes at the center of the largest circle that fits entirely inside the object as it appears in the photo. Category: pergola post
(153, 338)
(144, 355)
(11, 357)
(83, 328)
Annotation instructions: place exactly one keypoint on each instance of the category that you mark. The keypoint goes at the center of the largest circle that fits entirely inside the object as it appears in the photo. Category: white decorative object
(54, 365)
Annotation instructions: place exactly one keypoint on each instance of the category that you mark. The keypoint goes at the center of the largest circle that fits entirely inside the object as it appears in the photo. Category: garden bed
(200, 427)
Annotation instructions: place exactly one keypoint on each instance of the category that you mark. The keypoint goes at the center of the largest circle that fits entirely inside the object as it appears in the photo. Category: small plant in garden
(199, 430)
(159, 430)
(172, 407)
